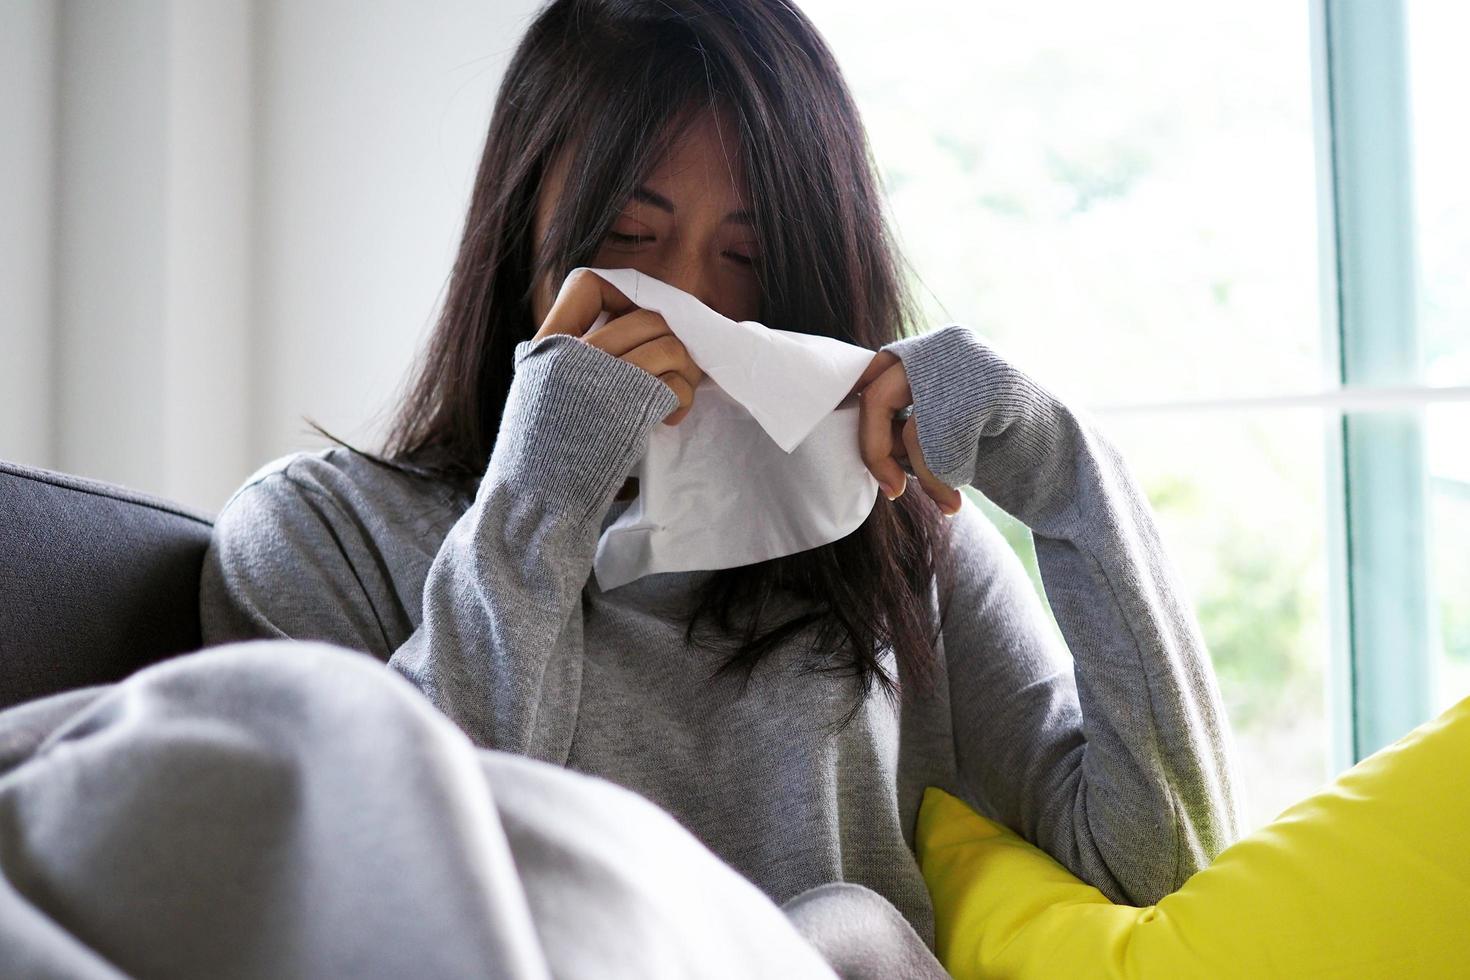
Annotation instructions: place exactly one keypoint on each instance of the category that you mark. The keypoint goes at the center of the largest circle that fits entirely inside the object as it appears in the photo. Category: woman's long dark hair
(609, 81)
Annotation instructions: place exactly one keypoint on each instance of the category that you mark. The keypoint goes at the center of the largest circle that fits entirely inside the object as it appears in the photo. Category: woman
(713, 144)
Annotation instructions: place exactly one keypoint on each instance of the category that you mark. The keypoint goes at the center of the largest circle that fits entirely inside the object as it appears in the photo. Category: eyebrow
(642, 193)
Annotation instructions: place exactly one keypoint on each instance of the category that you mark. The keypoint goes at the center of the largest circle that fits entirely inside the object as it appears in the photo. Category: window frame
(1383, 657)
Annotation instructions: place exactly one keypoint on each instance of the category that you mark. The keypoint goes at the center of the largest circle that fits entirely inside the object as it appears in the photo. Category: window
(1438, 78)
(1156, 210)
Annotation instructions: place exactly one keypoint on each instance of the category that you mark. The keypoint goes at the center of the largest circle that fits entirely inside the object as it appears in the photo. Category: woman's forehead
(703, 157)
(702, 166)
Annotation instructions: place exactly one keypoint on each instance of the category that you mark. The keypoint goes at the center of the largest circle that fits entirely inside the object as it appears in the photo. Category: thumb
(881, 362)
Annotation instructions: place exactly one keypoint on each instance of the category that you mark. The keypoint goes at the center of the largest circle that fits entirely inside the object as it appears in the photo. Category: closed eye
(630, 240)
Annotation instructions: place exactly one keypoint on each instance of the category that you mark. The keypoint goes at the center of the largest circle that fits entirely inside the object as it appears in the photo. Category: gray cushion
(95, 581)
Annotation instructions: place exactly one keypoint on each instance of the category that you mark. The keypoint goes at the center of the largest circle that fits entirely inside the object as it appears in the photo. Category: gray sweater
(1115, 757)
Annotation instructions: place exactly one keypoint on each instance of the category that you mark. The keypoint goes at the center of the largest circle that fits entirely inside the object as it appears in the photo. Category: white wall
(377, 116)
(27, 230)
(140, 263)
(228, 216)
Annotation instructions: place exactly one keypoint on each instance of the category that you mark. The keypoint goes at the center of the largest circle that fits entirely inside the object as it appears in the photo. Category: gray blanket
(294, 809)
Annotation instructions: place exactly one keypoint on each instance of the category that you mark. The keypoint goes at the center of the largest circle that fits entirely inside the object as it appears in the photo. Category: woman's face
(688, 223)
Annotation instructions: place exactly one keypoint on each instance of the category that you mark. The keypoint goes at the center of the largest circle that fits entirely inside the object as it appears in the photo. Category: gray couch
(96, 581)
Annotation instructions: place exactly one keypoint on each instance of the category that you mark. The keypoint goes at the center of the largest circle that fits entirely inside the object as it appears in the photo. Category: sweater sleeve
(1118, 758)
(499, 646)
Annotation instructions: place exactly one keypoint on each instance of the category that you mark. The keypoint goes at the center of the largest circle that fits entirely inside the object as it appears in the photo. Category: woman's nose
(692, 273)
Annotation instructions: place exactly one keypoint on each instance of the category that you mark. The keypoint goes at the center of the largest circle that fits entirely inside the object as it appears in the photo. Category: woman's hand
(634, 335)
(888, 442)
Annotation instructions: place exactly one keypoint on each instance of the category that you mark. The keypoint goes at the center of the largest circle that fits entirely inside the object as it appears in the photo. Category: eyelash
(624, 239)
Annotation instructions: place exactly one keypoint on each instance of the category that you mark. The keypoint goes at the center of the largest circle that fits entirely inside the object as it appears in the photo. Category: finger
(583, 296)
(665, 354)
(621, 335)
(881, 362)
(878, 402)
(900, 451)
(684, 390)
(948, 498)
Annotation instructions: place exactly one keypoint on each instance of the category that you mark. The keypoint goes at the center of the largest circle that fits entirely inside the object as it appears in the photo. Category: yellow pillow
(1370, 877)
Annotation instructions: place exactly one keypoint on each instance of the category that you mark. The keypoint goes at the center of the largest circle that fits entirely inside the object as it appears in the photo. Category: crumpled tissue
(765, 464)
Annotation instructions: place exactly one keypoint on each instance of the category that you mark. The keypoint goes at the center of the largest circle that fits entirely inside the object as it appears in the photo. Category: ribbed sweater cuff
(964, 392)
(575, 421)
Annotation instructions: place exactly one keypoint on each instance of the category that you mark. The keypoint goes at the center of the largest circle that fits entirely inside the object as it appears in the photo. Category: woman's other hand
(635, 335)
(888, 442)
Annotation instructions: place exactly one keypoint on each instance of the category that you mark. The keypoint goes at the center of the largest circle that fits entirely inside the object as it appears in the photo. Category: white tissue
(765, 464)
